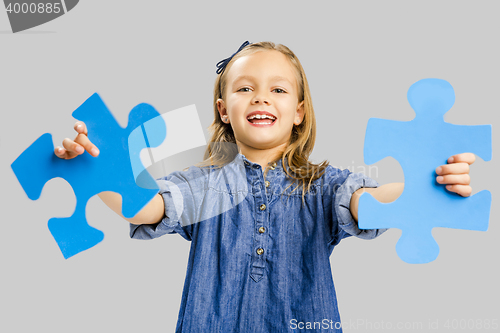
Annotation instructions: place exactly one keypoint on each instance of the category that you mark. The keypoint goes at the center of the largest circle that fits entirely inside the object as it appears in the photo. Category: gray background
(360, 58)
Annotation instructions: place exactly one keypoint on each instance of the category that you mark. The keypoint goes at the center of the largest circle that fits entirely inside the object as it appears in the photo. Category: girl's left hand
(456, 174)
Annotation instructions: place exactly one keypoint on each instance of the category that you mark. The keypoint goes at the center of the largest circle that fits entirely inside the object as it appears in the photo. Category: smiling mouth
(265, 121)
(259, 119)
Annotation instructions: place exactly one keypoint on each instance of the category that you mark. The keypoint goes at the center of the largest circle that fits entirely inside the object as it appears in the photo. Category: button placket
(260, 240)
(266, 182)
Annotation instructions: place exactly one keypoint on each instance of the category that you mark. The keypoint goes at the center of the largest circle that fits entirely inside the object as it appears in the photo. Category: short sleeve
(179, 191)
(352, 183)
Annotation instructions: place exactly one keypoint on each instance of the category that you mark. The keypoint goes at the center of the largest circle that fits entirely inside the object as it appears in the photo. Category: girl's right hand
(73, 148)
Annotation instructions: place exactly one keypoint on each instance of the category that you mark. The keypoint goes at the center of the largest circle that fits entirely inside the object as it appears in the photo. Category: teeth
(263, 116)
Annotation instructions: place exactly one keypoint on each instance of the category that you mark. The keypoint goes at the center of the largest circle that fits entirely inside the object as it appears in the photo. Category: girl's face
(263, 82)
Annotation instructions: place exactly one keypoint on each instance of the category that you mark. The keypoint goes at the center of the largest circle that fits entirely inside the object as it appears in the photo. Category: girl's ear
(221, 107)
(299, 114)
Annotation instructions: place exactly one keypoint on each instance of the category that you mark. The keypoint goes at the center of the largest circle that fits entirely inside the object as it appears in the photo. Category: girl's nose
(258, 99)
(263, 101)
(261, 96)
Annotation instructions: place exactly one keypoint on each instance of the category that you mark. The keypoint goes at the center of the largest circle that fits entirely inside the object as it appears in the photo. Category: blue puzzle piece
(420, 146)
(110, 171)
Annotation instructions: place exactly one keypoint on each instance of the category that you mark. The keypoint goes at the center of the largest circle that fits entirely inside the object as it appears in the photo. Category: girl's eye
(278, 90)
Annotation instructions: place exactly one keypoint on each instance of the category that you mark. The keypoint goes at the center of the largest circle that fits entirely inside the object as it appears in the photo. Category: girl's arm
(152, 213)
(455, 174)
(385, 194)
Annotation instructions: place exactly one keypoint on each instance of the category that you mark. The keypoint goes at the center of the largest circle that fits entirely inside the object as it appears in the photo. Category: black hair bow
(221, 65)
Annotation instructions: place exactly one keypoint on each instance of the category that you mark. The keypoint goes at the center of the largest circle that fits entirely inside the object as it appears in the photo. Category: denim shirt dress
(259, 257)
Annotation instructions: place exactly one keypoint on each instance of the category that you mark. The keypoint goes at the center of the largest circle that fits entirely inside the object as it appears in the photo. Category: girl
(260, 249)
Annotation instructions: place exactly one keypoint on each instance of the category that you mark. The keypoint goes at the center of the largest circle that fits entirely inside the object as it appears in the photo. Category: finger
(73, 148)
(454, 179)
(80, 127)
(61, 152)
(468, 158)
(84, 141)
(463, 190)
(454, 168)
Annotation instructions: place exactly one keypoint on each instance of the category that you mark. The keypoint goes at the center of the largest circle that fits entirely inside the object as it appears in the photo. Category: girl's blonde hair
(222, 148)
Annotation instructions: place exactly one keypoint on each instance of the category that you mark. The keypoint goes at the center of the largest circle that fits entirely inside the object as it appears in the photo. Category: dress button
(267, 183)
(272, 167)
(274, 164)
(262, 230)
(262, 207)
(260, 251)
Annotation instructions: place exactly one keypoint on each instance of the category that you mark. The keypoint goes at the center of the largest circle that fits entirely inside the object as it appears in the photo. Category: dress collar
(276, 165)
